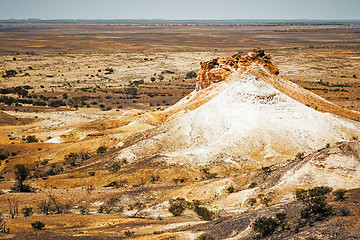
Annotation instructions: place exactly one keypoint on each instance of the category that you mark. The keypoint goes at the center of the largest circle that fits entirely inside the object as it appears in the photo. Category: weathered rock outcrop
(219, 69)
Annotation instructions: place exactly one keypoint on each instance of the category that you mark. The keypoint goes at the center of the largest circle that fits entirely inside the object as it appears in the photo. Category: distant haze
(184, 9)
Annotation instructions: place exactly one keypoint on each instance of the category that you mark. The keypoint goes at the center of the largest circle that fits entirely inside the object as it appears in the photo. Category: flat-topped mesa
(219, 69)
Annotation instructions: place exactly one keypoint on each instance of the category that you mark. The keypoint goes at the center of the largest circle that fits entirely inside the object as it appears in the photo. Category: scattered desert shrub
(84, 210)
(27, 211)
(204, 213)
(31, 139)
(265, 226)
(129, 233)
(130, 92)
(252, 185)
(138, 206)
(92, 174)
(109, 70)
(9, 73)
(205, 237)
(44, 207)
(179, 180)
(230, 189)
(178, 206)
(38, 225)
(117, 184)
(101, 149)
(115, 166)
(154, 178)
(110, 206)
(315, 201)
(208, 174)
(340, 194)
(75, 159)
(252, 201)
(266, 198)
(52, 205)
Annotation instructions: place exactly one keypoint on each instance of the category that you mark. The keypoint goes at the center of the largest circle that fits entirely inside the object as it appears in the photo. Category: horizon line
(162, 19)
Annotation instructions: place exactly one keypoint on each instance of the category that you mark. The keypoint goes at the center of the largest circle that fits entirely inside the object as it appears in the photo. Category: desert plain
(78, 92)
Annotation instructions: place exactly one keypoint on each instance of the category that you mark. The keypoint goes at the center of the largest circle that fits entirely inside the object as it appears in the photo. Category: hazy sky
(180, 9)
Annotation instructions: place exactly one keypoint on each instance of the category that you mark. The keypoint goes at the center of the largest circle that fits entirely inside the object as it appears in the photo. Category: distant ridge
(250, 22)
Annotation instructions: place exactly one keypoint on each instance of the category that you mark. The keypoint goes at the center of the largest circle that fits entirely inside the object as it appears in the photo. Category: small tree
(21, 175)
(265, 225)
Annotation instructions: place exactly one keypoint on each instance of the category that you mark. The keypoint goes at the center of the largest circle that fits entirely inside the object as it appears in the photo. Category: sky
(181, 9)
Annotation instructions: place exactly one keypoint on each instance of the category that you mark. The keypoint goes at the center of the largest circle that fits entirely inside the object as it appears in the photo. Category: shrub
(266, 198)
(178, 206)
(92, 174)
(265, 226)
(27, 211)
(315, 202)
(44, 207)
(154, 178)
(252, 201)
(84, 210)
(129, 233)
(9, 73)
(252, 185)
(205, 237)
(209, 175)
(31, 139)
(110, 205)
(72, 158)
(131, 92)
(204, 213)
(101, 149)
(138, 206)
(75, 159)
(340, 194)
(114, 167)
(230, 189)
(38, 225)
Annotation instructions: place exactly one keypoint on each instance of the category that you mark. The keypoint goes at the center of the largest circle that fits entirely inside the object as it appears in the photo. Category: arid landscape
(179, 131)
